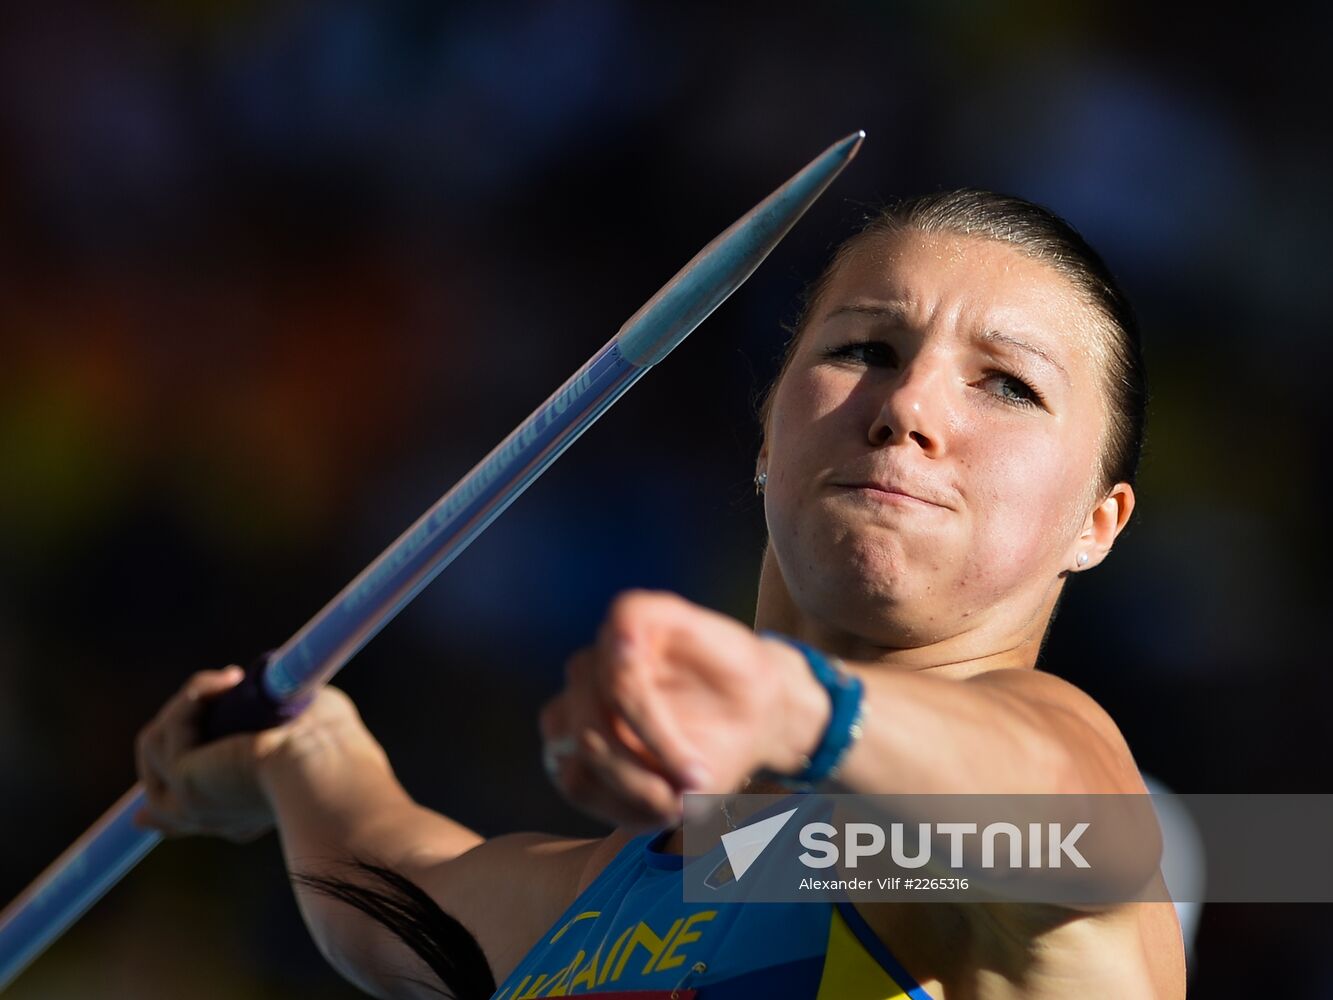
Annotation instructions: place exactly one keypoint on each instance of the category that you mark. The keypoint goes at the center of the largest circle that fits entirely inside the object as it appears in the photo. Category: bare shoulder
(1076, 712)
(509, 890)
(1047, 688)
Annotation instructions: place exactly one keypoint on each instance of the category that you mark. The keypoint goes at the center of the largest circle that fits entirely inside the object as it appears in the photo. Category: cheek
(1024, 491)
(802, 398)
(810, 411)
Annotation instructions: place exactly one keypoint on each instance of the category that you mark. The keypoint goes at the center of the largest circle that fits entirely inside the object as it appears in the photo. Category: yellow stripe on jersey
(851, 972)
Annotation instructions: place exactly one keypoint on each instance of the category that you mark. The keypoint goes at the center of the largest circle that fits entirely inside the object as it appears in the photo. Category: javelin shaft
(291, 674)
(312, 656)
(72, 883)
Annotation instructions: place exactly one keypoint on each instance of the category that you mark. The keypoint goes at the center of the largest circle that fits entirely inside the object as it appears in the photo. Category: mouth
(887, 494)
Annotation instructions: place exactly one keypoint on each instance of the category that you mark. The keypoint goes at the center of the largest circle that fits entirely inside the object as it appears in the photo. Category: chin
(859, 582)
(853, 589)
(872, 566)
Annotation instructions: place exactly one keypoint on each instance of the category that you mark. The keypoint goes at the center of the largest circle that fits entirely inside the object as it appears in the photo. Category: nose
(913, 406)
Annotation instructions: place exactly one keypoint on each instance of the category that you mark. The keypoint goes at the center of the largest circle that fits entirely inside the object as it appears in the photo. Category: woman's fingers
(641, 792)
(589, 762)
(160, 742)
(162, 819)
(160, 811)
(167, 755)
(664, 702)
(206, 792)
(145, 760)
(624, 798)
(180, 716)
(641, 716)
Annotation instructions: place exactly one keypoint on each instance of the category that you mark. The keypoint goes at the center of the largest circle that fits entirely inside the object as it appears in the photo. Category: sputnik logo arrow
(743, 846)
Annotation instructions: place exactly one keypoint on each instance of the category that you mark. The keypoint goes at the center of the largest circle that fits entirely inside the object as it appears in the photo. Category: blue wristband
(844, 728)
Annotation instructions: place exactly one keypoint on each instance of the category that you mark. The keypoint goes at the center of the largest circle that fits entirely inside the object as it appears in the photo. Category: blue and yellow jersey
(629, 936)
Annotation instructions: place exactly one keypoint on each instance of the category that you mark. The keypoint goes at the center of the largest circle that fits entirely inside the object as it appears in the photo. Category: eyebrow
(999, 337)
(891, 310)
(897, 311)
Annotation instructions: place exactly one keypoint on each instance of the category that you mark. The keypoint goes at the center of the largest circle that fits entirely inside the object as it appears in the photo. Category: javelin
(281, 683)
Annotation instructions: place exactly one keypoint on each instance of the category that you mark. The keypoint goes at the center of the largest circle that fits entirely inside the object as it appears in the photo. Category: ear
(1103, 524)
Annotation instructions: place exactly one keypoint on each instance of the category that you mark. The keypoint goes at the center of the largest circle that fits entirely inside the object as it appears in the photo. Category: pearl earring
(1082, 558)
(760, 481)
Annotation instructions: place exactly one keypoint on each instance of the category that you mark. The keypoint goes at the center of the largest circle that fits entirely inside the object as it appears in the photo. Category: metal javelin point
(280, 684)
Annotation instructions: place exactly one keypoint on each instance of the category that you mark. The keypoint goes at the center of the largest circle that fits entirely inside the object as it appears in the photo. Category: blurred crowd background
(274, 275)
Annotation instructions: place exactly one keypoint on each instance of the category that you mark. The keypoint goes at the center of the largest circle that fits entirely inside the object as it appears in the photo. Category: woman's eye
(869, 352)
(1014, 390)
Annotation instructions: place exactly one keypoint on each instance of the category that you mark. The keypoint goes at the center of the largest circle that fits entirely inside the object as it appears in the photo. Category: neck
(961, 655)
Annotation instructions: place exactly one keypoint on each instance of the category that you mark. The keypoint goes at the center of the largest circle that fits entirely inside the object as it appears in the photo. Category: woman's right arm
(327, 785)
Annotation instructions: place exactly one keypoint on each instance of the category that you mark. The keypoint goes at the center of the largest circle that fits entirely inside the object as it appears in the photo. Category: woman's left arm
(1003, 731)
(673, 697)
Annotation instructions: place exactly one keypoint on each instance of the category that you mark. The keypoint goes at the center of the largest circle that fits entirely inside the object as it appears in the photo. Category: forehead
(967, 282)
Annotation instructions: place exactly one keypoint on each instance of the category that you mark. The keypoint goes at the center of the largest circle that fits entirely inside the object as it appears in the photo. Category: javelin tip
(724, 264)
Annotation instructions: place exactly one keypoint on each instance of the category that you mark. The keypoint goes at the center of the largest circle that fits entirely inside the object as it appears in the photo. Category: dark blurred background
(274, 275)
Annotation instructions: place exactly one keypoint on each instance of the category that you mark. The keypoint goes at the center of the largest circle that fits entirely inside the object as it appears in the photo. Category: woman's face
(965, 374)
